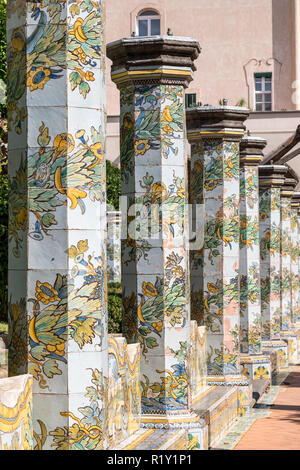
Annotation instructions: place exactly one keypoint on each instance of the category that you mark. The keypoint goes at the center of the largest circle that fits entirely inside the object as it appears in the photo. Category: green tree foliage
(114, 308)
(113, 185)
(3, 107)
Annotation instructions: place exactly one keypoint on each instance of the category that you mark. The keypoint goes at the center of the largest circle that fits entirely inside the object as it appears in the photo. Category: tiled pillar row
(298, 296)
(254, 364)
(271, 179)
(57, 217)
(151, 74)
(295, 267)
(215, 134)
(287, 331)
(113, 247)
(286, 194)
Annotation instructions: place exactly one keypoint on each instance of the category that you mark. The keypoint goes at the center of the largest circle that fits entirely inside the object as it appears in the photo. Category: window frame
(193, 100)
(263, 92)
(155, 16)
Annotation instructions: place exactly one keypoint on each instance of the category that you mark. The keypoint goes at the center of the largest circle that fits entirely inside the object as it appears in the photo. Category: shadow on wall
(283, 51)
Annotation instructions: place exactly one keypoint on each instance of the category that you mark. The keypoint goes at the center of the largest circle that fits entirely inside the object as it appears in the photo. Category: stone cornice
(251, 150)
(272, 175)
(156, 59)
(219, 122)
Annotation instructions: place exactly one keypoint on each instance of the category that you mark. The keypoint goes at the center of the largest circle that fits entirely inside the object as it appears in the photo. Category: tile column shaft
(57, 217)
(151, 74)
(215, 134)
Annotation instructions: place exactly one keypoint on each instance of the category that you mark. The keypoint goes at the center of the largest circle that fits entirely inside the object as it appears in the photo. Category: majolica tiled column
(298, 295)
(286, 329)
(151, 74)
(215, 134)
(271, 179)
(57, 217)
(295, 206)
(254, 364)
(113, 247)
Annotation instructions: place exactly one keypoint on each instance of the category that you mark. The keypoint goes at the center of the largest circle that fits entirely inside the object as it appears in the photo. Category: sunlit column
(57, 217)
(151, 74)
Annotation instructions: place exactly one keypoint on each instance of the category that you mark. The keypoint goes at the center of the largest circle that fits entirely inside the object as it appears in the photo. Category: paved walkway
(280, 429)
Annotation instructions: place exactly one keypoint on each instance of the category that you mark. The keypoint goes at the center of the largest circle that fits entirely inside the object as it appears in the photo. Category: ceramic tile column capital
(153, 60)
(221, 122)
(288, 187)
(251, 150)
(271, 176)
(296, 200)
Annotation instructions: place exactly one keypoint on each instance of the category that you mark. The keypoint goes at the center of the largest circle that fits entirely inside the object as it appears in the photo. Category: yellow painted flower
(166, 116)
(168, 129)
(63, 143)
(229, 162)
(159, 191)
(149, 289)
(78, 32)
(45, 293)
(212, 287)
(80, 54)
(250, 182)
(210, 185)
(97, 150)
(74, 194)
(58, 349)
(181, 193)
(227, 240)
(158, 326)
(37, 78)
(22, 218)
(89, 76)
(141, 146)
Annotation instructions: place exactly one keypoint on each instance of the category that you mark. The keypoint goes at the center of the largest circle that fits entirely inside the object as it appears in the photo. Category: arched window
(148, 23)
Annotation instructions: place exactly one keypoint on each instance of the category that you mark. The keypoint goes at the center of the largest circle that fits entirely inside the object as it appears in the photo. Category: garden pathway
(280, 429)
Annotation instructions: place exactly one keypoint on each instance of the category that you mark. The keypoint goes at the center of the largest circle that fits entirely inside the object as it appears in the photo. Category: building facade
(250, 56)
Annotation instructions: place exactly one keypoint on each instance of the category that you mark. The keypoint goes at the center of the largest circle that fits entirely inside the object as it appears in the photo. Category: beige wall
(238, 38)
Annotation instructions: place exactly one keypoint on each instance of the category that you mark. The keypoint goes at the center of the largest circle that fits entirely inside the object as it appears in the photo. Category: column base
(279, 360)
(256, 367)
(243, 386)
(290, 337)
